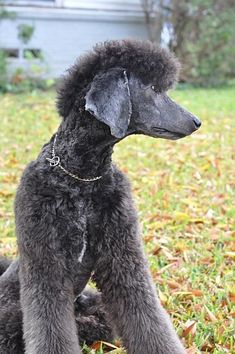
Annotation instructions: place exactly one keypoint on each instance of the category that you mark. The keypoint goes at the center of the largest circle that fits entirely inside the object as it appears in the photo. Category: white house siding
(63, 33)
(113, 5)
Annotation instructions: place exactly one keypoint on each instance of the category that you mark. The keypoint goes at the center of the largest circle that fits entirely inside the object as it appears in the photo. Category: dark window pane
(11, 52)
(32, 53)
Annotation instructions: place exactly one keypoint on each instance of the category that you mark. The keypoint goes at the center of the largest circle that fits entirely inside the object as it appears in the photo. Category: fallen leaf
(190, 329)
(231, 296)
(207, 347)
(162, 297)
(5, 193)
(166, 267)
(230, 254)
(191, 350)
(210, 315)
(196, 292)
(110, 345)
(96, 345)
(156, 250)
(173, 284)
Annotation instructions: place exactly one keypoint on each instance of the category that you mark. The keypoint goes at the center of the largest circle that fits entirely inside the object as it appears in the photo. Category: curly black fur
(68, 229)
(150, 63)
(4, 264)
(91, 318)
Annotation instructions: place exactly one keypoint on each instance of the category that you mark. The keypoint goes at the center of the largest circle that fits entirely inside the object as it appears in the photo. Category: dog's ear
(108, 99)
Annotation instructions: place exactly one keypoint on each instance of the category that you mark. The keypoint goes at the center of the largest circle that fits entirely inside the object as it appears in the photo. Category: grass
(184, 191)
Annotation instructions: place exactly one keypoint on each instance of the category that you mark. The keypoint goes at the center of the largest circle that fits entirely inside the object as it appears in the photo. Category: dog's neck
(84, 150)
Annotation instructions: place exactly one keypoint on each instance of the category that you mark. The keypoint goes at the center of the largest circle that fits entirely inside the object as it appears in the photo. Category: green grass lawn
(184, 191)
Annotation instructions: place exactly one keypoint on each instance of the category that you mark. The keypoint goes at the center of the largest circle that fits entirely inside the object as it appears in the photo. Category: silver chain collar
(55, 161)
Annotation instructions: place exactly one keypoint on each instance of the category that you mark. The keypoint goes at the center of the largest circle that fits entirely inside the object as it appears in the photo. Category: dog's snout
(197, 122)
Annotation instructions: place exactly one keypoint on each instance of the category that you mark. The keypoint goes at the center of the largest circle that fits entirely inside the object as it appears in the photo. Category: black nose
(197, 122)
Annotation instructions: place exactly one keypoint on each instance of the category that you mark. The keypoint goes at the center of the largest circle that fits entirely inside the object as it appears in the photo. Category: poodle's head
(123, 84)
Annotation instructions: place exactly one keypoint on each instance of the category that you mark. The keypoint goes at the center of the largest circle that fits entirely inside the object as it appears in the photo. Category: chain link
(55, 161)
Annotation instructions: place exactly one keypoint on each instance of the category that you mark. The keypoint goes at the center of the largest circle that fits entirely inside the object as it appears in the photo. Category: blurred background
(39, 39)
(184, 190)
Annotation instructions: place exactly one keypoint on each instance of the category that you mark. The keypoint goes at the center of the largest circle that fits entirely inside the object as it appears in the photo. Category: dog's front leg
(46, 296)
(129, 294)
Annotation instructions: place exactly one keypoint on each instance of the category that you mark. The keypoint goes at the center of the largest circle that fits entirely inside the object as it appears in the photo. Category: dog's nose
(197, 122)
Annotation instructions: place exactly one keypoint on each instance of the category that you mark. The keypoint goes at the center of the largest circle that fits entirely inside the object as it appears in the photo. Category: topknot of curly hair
(149, 62)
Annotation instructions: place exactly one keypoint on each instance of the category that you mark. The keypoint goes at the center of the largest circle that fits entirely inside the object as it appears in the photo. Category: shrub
(3, 71)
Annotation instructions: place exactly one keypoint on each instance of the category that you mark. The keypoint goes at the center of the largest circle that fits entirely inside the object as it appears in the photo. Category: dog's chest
(86, 223)
(78, 244)
(87, 213)
(77, 230)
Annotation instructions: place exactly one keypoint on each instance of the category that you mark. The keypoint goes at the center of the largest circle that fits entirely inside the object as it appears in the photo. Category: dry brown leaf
(198, 307)
(184, 294)
(207, 347)
(96, 345)
(148, 238)
(110, 345)
(117, 343)
(229, 254)
(191, 327)
(196, 292)
(167, 254)
(191, 350)
(173, 284)
(5, 193)
(221, 330)
(162, 297)
(166, 267)
(210, 315)
(156, 250)
(231, 296)
(206, 260)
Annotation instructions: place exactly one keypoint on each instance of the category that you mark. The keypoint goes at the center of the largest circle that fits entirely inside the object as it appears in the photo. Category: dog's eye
(154, 88)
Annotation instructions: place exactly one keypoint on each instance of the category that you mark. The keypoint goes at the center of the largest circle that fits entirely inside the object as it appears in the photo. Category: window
(32, 53)
(11, 52)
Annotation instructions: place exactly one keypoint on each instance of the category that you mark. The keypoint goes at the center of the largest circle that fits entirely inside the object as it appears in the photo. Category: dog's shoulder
(115, 193)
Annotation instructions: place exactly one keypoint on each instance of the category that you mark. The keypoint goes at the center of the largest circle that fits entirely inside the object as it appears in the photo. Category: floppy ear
(109, 100)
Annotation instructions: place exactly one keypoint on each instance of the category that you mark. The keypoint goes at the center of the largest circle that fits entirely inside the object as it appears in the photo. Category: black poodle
(74, 212)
